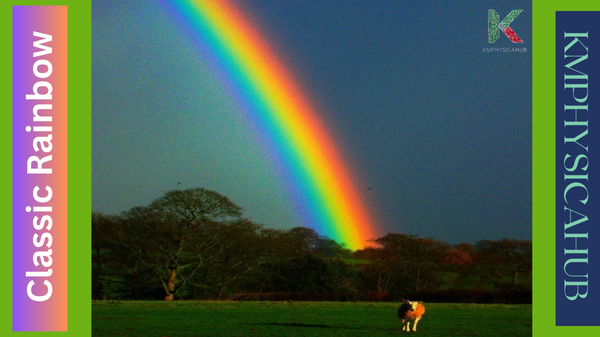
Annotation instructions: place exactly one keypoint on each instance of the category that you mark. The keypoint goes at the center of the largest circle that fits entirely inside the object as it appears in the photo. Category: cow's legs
(415, 324)
(404, 324)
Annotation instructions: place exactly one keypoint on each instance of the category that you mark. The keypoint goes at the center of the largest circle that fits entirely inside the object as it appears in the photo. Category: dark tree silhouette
(180, 233)
(195, 243)
(413, 262)
(502, 262)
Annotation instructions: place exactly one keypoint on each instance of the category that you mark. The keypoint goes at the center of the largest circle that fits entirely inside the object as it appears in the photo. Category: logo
(494, 25)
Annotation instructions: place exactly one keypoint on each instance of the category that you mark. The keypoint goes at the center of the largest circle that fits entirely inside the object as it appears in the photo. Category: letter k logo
(494, 25)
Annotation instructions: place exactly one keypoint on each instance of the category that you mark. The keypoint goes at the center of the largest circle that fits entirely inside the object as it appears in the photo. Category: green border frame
(544, 187)
(80, 165)
(80, 113)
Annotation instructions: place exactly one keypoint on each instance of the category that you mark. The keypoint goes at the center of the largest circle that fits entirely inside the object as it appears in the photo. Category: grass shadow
(321, 326)
(301, 325)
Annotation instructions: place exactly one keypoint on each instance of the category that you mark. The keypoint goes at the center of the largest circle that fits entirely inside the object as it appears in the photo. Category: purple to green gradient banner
(39, 168)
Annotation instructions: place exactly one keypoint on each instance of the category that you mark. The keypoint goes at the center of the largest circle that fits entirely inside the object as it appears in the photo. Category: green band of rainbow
(322, 181)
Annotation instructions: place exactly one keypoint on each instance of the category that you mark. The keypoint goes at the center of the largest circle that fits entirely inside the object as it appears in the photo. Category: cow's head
(412, 304)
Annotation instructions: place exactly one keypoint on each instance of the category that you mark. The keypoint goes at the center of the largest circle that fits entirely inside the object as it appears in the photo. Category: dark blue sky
(436, 127)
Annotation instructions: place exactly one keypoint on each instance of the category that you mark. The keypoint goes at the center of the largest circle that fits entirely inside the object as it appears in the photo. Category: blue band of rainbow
(320, 181)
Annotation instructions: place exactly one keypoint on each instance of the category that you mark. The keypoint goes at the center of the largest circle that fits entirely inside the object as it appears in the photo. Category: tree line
(195, 244)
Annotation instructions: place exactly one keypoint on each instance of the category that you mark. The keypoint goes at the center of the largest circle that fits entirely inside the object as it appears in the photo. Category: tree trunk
(171, 277)
(383, 281)
(99, 274)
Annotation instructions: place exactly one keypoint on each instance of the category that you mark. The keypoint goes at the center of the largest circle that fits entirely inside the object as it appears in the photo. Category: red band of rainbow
(322, 184)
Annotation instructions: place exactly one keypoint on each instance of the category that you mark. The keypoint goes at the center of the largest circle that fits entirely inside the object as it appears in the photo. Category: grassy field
(295, 319)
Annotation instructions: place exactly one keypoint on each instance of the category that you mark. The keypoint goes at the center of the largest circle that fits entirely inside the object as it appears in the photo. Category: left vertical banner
(39, 168)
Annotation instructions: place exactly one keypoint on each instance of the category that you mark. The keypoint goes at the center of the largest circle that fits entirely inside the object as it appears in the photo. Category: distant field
(295, 319)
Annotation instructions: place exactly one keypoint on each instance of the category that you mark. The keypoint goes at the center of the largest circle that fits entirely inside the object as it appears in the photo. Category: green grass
(296, 319)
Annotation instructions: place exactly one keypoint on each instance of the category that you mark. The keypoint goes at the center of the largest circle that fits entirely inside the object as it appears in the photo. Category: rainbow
(321, 182)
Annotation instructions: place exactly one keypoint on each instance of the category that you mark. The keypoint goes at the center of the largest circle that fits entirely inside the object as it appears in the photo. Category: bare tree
(502, 262)
(414, 261)
(180, 233)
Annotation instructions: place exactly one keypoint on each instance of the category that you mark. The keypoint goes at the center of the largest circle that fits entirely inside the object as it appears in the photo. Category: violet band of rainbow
(316, 171)
(39, 168)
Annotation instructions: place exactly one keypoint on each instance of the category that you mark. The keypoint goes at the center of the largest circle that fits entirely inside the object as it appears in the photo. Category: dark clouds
(438, 129)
